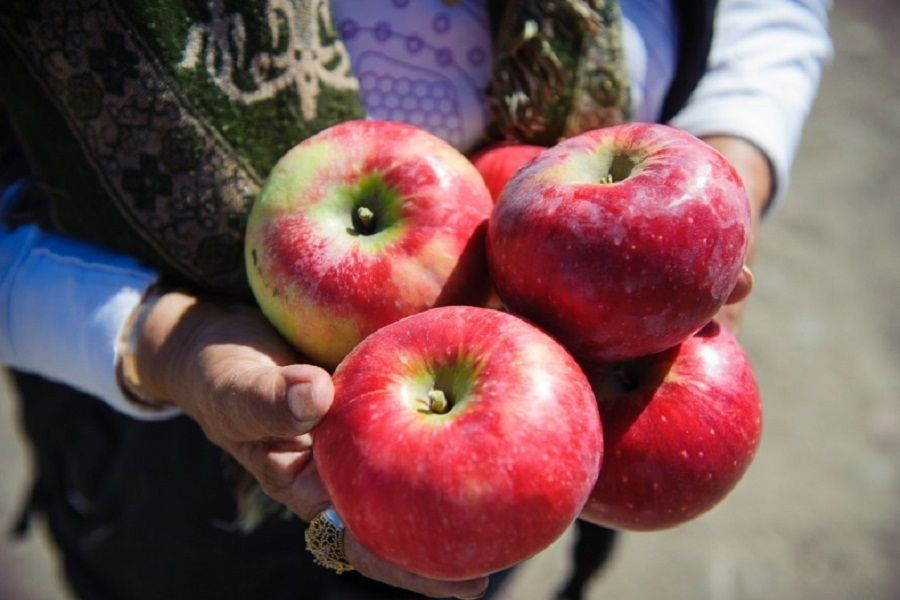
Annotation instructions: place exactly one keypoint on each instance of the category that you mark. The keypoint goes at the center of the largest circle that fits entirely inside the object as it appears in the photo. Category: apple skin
(325, 285)
(679, 434)
(490, 483)
(623, 269)
(499, 162)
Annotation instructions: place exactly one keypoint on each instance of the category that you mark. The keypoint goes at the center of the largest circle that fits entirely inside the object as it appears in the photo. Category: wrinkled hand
(227, 368)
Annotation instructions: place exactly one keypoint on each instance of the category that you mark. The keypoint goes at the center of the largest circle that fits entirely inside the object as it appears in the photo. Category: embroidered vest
(151, 125)
(163, 118)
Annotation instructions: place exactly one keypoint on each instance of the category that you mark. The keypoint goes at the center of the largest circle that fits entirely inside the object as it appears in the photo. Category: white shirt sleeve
(764, 69)
(62, 306)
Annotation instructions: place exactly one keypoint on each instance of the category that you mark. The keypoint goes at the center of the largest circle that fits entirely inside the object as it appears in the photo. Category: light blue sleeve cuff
(63, 304)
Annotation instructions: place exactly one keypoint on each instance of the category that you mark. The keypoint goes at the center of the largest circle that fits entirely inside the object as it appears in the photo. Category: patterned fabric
(180, 108)
(163, 117)
(559, 70)
(422, 62)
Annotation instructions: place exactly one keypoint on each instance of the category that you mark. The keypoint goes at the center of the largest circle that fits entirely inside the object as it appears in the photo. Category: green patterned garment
(151, 124)
(178, 110)
(559, 70)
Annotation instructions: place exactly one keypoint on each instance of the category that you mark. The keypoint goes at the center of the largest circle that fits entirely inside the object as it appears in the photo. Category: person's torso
(162, 119)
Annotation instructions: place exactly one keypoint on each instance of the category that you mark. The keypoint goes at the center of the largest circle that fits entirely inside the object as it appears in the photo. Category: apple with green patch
(622, 241)
(460, 441)
(680, 430)
(361, 225)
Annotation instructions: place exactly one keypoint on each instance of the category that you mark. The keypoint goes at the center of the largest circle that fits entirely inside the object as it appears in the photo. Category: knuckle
(274, 481)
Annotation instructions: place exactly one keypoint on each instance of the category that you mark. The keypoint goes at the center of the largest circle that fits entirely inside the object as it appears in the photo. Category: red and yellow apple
(680, 429)
(461, 441)
(621, 242)
(361, 225)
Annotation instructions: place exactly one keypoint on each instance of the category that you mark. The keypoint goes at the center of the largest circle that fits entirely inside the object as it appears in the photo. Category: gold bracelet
(127, 374)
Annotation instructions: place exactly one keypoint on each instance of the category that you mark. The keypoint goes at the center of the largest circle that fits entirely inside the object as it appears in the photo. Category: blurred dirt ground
(818, 514)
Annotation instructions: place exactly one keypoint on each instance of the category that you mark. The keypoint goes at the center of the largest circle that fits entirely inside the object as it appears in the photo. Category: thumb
(266, 401)
(742, 288)
(309, 393)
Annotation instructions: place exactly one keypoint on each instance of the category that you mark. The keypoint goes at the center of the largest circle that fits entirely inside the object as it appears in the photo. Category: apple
(461, 440)
(499, 162)
(621, 242)
(361, 225)
(680, 429)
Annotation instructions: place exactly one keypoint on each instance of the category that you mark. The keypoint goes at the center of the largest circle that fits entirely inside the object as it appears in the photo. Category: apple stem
(366, 219)
(437, 402)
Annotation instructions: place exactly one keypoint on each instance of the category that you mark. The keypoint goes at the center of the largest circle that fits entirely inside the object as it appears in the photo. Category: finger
(309, 392)
(261, 401)
(742, 288)
(375, 568)
(285, 471)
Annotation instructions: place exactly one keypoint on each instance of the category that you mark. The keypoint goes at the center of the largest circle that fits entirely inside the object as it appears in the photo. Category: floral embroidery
(305, 53)
(173, 177)
(113, 62)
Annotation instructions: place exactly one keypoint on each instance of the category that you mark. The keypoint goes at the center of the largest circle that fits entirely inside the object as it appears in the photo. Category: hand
(732, 313)
(227, 368)
(756, 173)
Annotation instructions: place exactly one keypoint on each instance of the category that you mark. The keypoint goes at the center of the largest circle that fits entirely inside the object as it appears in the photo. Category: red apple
(621, 242)
(680, 430)
(499, 162)
(361, 225)
(461, 441)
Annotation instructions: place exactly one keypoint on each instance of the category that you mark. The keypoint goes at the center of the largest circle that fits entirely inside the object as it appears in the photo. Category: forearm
(64, 305)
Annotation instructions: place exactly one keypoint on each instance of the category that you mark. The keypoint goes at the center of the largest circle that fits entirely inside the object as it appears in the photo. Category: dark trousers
(145, 511)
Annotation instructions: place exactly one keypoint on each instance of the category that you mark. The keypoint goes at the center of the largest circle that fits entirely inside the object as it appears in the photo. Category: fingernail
(749, 275)
(301, 403)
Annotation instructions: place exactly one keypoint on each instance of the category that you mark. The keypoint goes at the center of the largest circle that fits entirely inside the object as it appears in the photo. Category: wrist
(180, 339)
(153, 346)
(752, 165)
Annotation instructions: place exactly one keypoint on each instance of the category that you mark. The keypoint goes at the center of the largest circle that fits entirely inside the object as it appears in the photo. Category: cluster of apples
(464, 438)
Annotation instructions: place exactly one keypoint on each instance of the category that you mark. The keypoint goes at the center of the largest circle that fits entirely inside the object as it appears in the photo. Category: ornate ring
(325, 541)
